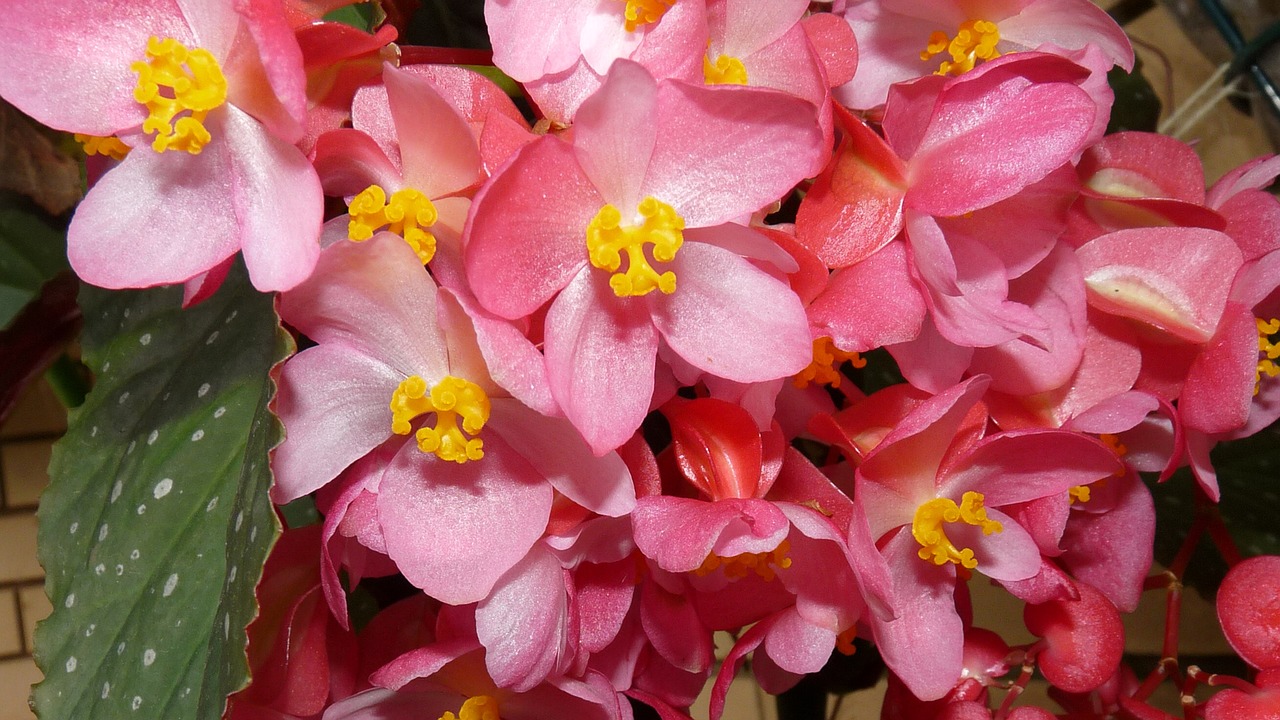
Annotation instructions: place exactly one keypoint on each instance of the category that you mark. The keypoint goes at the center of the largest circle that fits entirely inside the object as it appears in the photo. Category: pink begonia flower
(449, 677)
(648, 164)
(386, 336)
(931, 493)
(956, 177)
(208, 173)
(901, 40)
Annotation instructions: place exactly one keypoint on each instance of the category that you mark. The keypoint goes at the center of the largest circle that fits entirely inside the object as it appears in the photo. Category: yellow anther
(1079, 493)
(726, 70)
(1268, 351)
(110, 146)
(407, 213)
(927, 528)
(449, 399)
(825, 367)
(740, 566)
(974, 40)
(660, 226)
(480, 707)
(175, 80)
(645, 12)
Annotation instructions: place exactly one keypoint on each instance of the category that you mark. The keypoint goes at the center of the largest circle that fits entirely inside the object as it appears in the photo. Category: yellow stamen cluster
(726, 70)
(175, 80)
(110, 146)
(660, 227)
(645, 12)
(974, 40)
(406, 214)
(1268, 351)
(927, 528)
(740, 566)
(1079, 493)
(825, 367)
(449, 399)
(480, 707)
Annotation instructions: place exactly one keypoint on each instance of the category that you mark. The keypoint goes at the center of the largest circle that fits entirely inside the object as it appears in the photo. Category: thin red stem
(416, 55)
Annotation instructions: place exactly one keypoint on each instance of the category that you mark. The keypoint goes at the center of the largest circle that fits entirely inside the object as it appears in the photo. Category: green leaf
(31, 252)
(156, 523)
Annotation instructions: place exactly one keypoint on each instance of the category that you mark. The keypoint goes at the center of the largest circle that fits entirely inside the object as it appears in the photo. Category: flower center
(450, 399)
(111, 146)
(645, 12)
(480, 707)
(179, 85)
(406, 214)
(1268, 351)
(928, 528)
(727, 70)
(825, 367)
(740, 566)
(606, 239)
(974, 40)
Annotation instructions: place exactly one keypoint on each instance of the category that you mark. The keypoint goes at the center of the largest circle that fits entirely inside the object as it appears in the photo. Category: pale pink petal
(600, 484)
(523, 623)
(930, 361)
(1069, 24)
(605, 38)
(371, 114)
(133, 228)
(1010, 554)
(727, 151)
(889, 48)
(1112, 550)
(744, 26)
(264, 70)
(614, 134)
(333, 403)
(671, 623)
(68, 65)
(679, 533)
(439, 154)
(720, 300)
(797, 645)
(526, 236)
(279, 230)
(601, 351)
(535, 39)
(479, 518)
(507, 356)
(375, 296)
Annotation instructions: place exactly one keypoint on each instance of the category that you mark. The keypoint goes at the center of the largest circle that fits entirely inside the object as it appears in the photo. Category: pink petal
(775, 142)
(601, 351)
(679, 533)
(1174, 278)
(1010, 554)
(374, 296)
(1023, 465)
(834, 44)
(797, 645)
(479, 518)
(614, 134)
(720, 299)
(526, 236)
(1071, 25)
(532, 40)
(438, 151)
(870, 304)
(83, 52)
(1218, 393)
(348, 161)
(600, 484)
(264, 70)
(522, 623)
(333, 403)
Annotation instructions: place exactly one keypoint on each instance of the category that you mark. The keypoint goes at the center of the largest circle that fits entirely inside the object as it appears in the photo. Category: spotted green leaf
(157, 522)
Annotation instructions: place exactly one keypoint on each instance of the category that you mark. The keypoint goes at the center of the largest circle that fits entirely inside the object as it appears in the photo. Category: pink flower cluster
(508, 319)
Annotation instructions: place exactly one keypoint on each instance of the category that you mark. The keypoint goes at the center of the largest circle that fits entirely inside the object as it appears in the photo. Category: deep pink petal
(870, 304)
(1010, 554)
(479, 518)
(797, 645)
(1112, 550)
(1023, 465)
(679, 533)
(264, 69)
(1218, 393)
(526, 236)
(348, 161)
(720, 300)
(601, 351)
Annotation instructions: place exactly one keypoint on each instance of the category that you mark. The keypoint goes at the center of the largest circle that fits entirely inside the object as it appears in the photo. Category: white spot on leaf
(135, 554)
(74, 527)
(71, 664)
(151, 439)
(219, 412)
(116, 490)
(102, 532)
(70, 601)
(123, 397)
(106, 690)
(197, 436)
(170, 584)
(137, 703)
(99, 569)
(145, 339)
(231, 576)
(162, 488)
(142, 509)
(212, 336)
(148, 657)
(213, 503)
(204, 390)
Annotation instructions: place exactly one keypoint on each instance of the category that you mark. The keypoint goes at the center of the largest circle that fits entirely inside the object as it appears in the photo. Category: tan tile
(37, 412)
(857, 705)
(25, 468)
(16, 679)
(35, 607)
(744, 701)
(10, 630)
(18, 559)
